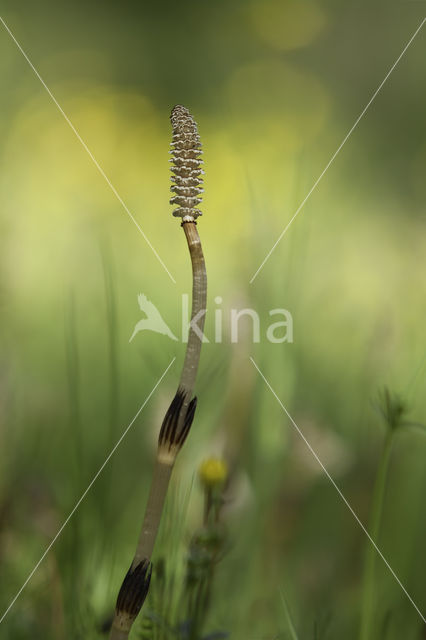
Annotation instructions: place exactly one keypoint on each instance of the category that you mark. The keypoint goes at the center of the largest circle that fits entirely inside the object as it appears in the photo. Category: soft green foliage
(350, 269)
(393, 409)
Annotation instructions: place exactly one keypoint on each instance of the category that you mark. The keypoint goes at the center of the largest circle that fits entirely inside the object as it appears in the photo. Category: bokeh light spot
(288, 25)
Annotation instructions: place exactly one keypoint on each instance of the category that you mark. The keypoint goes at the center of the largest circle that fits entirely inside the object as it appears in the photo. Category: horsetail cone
(187, 185)
(186, 151)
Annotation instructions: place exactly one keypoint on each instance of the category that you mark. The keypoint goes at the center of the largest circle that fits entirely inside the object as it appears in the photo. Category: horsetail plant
(187, 187)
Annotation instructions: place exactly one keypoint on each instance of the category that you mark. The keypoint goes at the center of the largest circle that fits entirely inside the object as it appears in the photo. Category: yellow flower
(213, 472)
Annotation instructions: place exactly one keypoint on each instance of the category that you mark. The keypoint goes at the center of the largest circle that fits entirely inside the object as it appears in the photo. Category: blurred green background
(274, 85)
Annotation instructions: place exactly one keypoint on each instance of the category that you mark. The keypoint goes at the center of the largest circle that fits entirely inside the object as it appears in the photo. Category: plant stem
(199, 301)
(290, 625)
(172, 436)
(368, 600)
(153, 511)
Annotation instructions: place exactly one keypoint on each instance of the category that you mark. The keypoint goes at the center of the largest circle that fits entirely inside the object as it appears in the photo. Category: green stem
(368, 600)
(290, 625)
(112, 333)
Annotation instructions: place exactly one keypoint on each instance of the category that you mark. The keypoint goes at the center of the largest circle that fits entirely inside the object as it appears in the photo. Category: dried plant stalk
(187, 181)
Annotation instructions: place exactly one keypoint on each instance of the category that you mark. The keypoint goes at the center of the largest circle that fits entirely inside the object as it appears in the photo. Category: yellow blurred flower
(287, 25)
(213, 472)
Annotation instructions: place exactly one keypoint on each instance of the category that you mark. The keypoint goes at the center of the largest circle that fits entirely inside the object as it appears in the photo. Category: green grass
(285, 522)
(350, 269)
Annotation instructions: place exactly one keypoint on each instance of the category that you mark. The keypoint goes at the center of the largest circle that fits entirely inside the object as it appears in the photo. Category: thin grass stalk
(108, 507)
(368, 593)
(73, 371)
(186, 149)
(289, 621)
(112, 338)
(75, 426)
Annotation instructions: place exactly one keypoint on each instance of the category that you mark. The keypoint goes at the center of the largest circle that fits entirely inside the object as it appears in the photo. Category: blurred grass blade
(289, 621)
